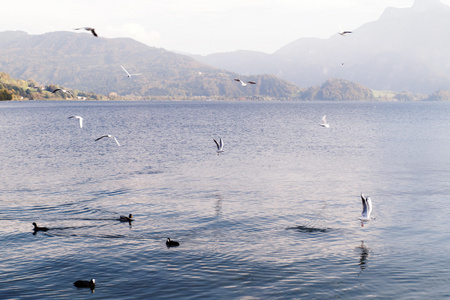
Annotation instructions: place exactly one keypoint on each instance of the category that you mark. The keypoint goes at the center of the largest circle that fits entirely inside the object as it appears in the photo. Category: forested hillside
(17, 89)
(81, 61)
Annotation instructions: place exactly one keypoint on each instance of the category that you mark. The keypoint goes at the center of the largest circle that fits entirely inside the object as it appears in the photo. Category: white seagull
(244, 83)
(92, 30)
(324, 122)
(219, 146)
(128, 74)
(108, 136)
(79, 118)
(343, 32)
(64, 91)
(367, 209)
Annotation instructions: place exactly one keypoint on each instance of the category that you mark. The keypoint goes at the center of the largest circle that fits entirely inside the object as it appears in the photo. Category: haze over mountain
(84, 62)
(405, 49)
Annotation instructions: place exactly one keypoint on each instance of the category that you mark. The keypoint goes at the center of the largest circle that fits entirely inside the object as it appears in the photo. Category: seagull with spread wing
(128, 74)
(324, 122)
(244, 83)
(343, 32)
(367, 209)
(108, 136)
(63, 91)
(219, 146)
(79, 118)
(92, 30)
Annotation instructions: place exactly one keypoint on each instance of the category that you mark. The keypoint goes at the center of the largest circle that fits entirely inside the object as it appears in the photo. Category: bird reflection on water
(363, 256)
(309, 229)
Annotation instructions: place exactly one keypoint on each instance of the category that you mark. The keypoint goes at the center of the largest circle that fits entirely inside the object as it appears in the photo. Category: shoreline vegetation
(332, 90)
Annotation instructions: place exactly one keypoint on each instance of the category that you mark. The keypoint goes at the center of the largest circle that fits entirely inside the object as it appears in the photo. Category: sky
(198, 26)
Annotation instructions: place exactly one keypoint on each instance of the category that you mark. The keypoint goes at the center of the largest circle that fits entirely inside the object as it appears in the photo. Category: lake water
(273, 217)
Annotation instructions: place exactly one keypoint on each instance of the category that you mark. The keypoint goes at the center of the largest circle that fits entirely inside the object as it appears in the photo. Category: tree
(5, 95)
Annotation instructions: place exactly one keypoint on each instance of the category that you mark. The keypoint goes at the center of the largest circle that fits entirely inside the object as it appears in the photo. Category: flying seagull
(64, 91)
(244, 83)
(128, 74)
(324, 122)
(79, 118)
(367, 209)
(219, 146)
(108, 136)
(92, 30)
(343, 32)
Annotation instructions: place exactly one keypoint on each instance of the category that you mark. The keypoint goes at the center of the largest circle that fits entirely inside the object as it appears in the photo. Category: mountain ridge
(81, 61)
(404, 49)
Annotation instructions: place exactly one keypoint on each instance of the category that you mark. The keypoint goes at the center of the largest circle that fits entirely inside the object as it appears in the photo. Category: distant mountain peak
(427, 4)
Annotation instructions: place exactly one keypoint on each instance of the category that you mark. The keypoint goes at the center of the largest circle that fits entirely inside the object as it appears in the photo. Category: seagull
(79, 118)
(64, 91)
(343, 32)
(324, 122)
(219, 146)
(367, 209)
(128, 74)
(244, 83)
(92, 30)
(170, 243)
(108, 136)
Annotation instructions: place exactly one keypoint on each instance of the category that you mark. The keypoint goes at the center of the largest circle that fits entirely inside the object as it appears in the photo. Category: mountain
(405, 49)
(81, 61)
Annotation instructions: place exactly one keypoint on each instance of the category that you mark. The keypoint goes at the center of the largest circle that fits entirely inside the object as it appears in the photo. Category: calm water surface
(274, 217)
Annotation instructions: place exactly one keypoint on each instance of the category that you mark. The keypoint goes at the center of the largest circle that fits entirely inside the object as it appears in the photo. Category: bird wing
(217, 144)
(324, 119)
(220, 144)
(68, 92)
(93, 32)
(56, 91)
(103, 136)
(365, 207)
(126, 71)
(116, 140)
(251, 82)
(237, 79)
(81, 122)
(369, 206)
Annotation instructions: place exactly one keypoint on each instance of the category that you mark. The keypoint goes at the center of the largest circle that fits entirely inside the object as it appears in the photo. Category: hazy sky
(198, 26)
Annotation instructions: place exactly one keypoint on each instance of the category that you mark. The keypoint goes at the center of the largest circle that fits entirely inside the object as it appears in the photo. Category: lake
(273, 217)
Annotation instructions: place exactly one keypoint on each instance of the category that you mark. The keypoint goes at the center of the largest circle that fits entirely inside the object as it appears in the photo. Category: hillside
(81, 61)
(17, 89)
(332, 90)
(405, 49)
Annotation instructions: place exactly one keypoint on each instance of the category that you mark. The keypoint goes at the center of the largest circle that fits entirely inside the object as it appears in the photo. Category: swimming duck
(85, 284)
(170, 243)
(37, 228)
(126, 219)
